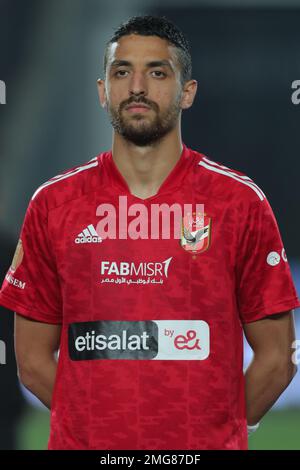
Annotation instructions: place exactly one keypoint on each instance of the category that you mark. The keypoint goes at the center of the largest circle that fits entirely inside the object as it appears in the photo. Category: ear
(102, 92)
(188, 94)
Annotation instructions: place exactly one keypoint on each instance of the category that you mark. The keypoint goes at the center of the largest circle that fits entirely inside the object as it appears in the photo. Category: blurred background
(245, 58)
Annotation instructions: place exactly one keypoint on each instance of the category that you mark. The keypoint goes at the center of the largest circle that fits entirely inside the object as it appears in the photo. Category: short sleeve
(264, 281)
(31, 286)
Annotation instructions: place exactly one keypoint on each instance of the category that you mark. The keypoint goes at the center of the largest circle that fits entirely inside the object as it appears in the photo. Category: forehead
(135, 48)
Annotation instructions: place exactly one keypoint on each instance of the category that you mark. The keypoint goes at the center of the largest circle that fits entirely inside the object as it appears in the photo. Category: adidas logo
(88, 235)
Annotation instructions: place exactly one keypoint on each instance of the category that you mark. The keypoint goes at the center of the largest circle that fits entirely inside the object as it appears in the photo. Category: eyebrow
(153, 63)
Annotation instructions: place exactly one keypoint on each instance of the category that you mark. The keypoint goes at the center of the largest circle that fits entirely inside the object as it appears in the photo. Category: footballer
(148, 314)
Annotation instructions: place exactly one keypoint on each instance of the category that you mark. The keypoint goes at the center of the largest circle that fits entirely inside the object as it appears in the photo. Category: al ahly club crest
(196, 232)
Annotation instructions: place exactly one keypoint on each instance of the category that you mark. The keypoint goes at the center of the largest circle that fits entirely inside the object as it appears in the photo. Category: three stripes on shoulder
(224, 170)
(90, 164)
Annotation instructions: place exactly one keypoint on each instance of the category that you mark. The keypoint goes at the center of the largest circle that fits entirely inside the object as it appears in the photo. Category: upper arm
(272, 335)
(32, 285)
(35, 341)
(264, 281)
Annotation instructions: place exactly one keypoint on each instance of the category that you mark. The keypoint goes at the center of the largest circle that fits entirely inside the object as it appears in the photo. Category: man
(149, 320)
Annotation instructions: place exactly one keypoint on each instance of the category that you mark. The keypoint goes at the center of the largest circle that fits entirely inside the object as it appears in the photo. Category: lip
(137, 108)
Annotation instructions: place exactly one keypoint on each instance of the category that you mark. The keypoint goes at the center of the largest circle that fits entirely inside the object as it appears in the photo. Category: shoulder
(226, 182)
(71, 184)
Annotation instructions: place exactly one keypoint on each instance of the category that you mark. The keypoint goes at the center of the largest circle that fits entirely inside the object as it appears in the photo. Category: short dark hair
(156, 26)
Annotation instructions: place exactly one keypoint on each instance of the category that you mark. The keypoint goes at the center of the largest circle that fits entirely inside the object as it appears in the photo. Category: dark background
(246, 54)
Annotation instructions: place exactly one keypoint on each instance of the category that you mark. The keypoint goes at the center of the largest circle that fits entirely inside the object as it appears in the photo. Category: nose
(138, 84)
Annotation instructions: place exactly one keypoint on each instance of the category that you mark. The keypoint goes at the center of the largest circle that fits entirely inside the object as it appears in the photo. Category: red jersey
(151, 353)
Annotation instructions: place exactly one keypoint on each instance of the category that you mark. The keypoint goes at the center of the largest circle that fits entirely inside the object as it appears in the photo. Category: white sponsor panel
(183, 340)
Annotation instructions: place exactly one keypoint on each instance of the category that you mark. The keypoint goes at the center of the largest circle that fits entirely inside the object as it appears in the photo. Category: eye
(120, 73)
(161, 74)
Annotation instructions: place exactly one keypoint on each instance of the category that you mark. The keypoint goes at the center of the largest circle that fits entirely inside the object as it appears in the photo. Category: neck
(145, 168)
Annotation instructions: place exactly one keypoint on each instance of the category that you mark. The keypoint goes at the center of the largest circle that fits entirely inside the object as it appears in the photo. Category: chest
(170, 255)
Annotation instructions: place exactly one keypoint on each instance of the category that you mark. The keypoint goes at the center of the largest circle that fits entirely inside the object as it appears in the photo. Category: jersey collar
(171, 182)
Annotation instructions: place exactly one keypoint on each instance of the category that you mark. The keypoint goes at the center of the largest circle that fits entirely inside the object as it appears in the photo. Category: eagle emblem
(196, 232)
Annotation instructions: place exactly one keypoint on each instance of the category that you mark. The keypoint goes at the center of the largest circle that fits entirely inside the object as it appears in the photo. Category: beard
(142, 130)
